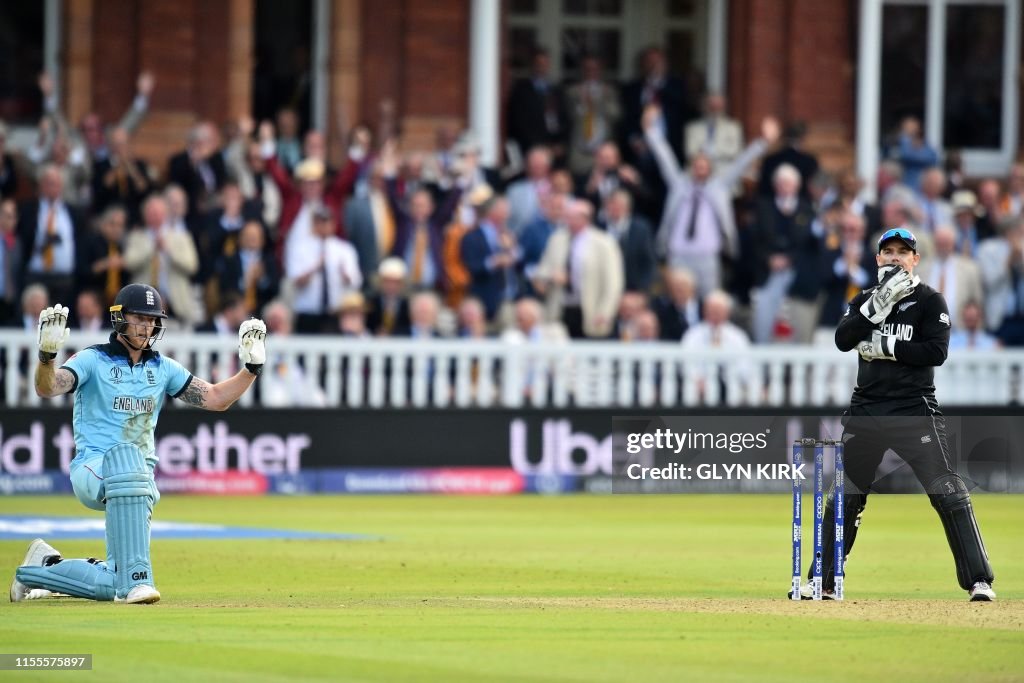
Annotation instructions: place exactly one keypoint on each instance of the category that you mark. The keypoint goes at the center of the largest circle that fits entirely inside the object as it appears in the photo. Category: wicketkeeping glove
(252, 348)
(879, 347)
(53, 331)
(894, 284)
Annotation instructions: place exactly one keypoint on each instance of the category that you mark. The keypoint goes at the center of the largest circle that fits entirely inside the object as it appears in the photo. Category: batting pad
(80, 578)
(127, 485)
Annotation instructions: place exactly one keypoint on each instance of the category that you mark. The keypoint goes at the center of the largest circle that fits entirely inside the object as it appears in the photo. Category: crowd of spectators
(624, 212)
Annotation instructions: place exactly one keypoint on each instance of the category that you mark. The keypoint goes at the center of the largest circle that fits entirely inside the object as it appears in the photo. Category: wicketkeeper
(900, 328)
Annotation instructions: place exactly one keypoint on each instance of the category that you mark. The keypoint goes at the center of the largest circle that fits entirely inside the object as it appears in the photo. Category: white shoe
(807, 593)
(38, 552)
(982, 592)
(140, 595)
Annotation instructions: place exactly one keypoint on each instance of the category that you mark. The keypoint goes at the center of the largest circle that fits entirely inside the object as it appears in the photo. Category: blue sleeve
(82, 365)
(923, 156)
(176, 377)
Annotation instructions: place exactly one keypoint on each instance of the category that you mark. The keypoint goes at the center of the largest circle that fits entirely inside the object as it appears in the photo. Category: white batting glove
(894, 284)
(252, 349)
(879, 347)
(53, 331)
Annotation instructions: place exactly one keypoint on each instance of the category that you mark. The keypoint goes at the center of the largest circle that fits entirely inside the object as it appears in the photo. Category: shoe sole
(980, 598)
(147, 600)
(31, 560)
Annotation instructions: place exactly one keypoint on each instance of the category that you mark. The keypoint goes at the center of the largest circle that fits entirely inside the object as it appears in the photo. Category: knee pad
(952, 501)
(125, 473)
(88, 579)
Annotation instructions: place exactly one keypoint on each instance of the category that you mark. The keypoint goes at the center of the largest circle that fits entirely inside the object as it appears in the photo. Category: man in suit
(580, 275)
(199, 169)
(655, 87)
(370, 224)
(715, 134)
(10, 260)
(678, 309)
(633, 233)
(847, 268)
(698, 227)
(609, 174)
(121, 178)
(789, 255)
(525, 195)
(250, 271)
(419, 233)
(164, 258)
(595, 109)
(954, 276)
(50, 232)
(792, 153)
(536, 110)
(248, 167)
(101, 258)
(388, 314)
(492, 256)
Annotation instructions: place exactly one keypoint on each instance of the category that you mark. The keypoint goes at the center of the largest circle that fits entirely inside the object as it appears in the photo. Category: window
(952, 63)
(22, 58)
(972, 105)
(614, 30)
(282, 73)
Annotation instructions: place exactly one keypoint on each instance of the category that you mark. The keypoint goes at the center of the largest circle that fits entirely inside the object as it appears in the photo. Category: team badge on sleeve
(944, 319)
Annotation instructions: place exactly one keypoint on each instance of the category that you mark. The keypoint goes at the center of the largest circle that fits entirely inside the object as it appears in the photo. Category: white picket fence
(338, 372)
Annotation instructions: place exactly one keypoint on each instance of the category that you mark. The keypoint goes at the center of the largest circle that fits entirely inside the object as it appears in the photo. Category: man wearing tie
(955, 277)
(164, 258)
(633, 233)
(698, 226)
(101, 260)
(49, 231)
(537, 112)
(492, 255)
(323, 272)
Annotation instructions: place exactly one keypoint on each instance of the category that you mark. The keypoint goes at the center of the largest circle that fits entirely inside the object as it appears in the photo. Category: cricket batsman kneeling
(900, 328)
(120, 388)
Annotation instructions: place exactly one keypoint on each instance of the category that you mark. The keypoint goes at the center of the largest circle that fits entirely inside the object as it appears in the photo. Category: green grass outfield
(577, 588)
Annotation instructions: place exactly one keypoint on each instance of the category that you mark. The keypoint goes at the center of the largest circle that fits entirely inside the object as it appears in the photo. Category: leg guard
(90, 579)
(129, 493)
(855, 504)
(950, 498)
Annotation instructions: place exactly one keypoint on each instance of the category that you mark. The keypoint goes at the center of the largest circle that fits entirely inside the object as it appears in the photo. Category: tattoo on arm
(51, 381)
(63, 381)
(196, 393)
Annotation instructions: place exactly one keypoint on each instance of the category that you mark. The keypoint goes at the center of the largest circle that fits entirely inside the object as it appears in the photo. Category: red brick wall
(794, 59)
(115, 55)
(382, 55)
(437, 58)
(417, 54)
(820, 70)
(185, 43)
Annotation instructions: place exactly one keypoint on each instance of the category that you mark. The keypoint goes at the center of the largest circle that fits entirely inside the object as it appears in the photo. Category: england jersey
(117, 402)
